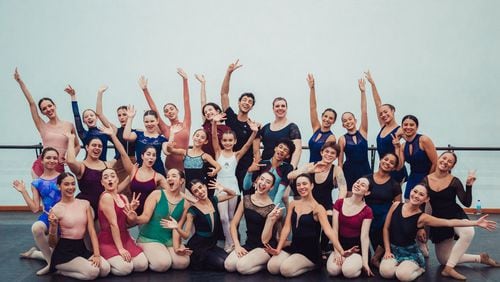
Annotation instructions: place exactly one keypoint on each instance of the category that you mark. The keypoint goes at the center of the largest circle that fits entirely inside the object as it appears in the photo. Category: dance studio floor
(15, 236)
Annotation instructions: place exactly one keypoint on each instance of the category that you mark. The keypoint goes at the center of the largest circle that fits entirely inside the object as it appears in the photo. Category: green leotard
(153, 231)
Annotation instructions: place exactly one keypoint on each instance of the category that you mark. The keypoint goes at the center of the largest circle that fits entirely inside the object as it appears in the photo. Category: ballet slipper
(485, 259)
(28, 254)
(43, 271)
(449, 271)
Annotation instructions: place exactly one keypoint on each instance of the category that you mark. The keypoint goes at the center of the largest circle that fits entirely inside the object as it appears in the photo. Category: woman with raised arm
(278, 129)
(156, 241)
(443, 190)
(354, 143)
(43, 189)
(261, 216)
(150, 136)
(71, 218)
(419, 151)
(389, 131)
(205, 218)
(351, 227)
(305, 218)
(228, 159)
(384, 190)
(89, 171)
(196, 161)
(209, 110)
(52, 132)
(326, 177)
(322, 132)
(171, 112)
(90, 119)
(115, 243)
(403, 258)
(121, 112)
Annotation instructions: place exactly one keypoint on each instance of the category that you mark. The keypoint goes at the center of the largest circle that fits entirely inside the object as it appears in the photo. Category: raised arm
(33, 108)
(313, 107)
(127, 131)
(74, 165)
(224, 92)
(76, 113)
(127, 163)
(98, 106)
(203, 92)
(215, 139)
(143, 83)
(376, 96)
(271, 219)
(464, 195)
(229, 193)
(363, 129)
(33, 204)
(149, 207)
(185, 95)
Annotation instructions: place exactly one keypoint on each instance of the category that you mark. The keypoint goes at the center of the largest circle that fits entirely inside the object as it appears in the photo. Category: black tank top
(322, 192)
(403, 230)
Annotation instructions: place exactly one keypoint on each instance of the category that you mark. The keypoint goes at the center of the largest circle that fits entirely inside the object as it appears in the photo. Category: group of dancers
(338, 210)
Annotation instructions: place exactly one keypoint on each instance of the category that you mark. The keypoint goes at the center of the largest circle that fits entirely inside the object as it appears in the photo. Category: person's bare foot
(485, 259)
(451, 272)
(28, 253)
(43, 271)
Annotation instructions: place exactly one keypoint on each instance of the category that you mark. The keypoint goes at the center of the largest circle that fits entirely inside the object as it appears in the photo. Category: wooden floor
(15, 236)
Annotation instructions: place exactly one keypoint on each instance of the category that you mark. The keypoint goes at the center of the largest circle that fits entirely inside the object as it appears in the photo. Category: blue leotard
(50, 195)
(315, 144)
(384, 146)
(420, 164)
(142, 141)
(356, 162)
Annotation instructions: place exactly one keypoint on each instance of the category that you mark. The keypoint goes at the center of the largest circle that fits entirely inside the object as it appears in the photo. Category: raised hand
(108, 130)
(17, 76)
(310, 80)
(19, 185)
(489, 225)
(169, 223)
(471, 177)
(254, 126)
(102, 89)
(369, 77)
(240, 251)
(255, 166)
(200, 78)
(275, 214)
(190, 198)
(131, 111)
(362, 85)
(70, 90)
(130, 212)
(320, 167)
(134, 203)
(234, 66)
(215, 185)
(183, 251)
(125, 254)
(395, 140)
(182, 73)
(143, 82)
(219, 117)
(95, 260)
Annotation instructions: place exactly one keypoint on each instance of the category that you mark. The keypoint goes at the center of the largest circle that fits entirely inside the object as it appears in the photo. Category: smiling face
(175, 180)
(386, 114)
(281, 152)
(94, 148)
(209, 112)
(388, 163)
(199, 190)
(328, 154)
(446, 162)
(67, 186)
(170, 111)
(199, 138)
(361, 187)
(122, 116)
(149, 157)
(304, 186)
(349, 121)
(264, 183)
(50, 159)
(410, 128)
(48, 108)
(150, 123)
(327, 119)
(109, 180)
(419, 195)
(89, 118)
(245, 104)
(280, 108)
(228, 141)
